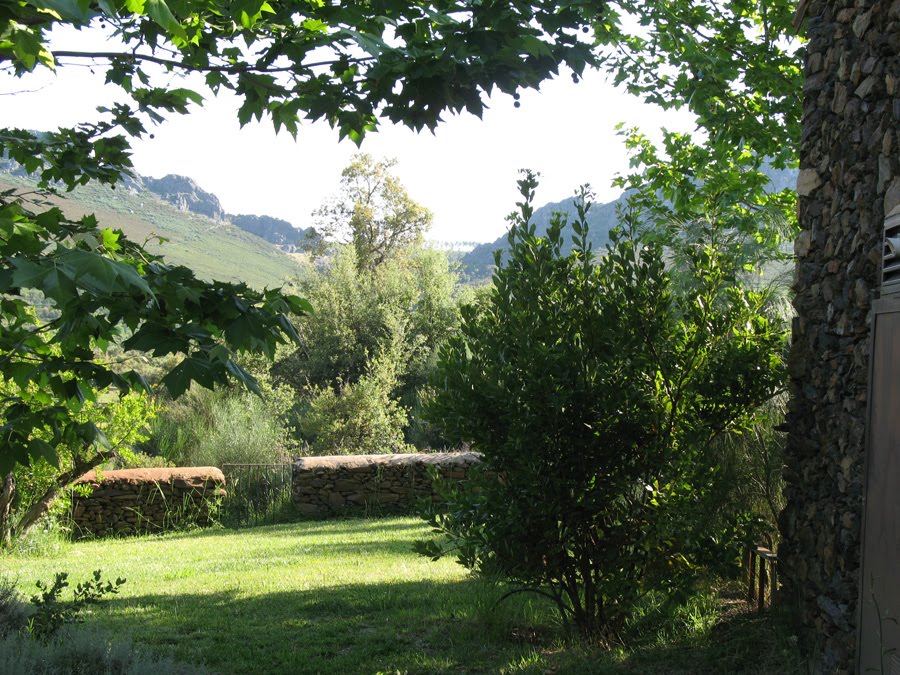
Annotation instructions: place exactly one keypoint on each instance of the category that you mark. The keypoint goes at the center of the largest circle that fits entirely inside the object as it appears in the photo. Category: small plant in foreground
(51, 613)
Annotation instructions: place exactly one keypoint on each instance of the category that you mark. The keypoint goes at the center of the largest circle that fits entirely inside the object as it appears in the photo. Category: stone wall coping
(408, 459)
(157, 475)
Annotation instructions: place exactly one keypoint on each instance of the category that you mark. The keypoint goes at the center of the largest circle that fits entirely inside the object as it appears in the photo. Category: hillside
(214, 249)
(478, 264)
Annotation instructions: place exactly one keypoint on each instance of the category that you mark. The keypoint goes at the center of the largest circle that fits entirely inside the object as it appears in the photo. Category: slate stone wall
(145, 500)
(849, 180)
(346, 483)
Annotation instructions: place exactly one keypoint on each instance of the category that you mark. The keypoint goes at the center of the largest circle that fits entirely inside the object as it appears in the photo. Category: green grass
(213, 249)
(349, 596)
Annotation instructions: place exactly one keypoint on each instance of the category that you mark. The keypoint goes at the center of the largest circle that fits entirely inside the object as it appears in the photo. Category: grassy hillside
(213, 249)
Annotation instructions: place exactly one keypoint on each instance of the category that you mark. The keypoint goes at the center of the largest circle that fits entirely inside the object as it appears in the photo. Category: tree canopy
(350, 64)
(373, 212)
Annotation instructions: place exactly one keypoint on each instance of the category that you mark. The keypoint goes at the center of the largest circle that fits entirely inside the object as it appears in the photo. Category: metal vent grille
(895, 665)
(890, 269)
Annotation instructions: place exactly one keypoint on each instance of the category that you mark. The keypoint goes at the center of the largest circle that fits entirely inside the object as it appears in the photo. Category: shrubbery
(227, 425)
(367, 351)
(597, 389)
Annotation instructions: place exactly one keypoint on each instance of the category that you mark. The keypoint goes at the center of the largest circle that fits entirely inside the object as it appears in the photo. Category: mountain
(213, 247)
(186, 195)
(275, 230)
(477, 265)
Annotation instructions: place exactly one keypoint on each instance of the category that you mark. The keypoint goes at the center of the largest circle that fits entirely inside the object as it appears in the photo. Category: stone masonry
(849, 180)
(347, 483)
(145, 500)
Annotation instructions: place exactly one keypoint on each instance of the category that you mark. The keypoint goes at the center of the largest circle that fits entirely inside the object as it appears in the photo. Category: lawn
(349, 596)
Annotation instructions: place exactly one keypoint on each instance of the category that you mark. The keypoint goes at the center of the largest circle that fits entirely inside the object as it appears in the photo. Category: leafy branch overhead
(350, 64)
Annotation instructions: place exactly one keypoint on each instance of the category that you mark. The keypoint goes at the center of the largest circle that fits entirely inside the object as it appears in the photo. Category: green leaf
(159, 11)
(38, 448)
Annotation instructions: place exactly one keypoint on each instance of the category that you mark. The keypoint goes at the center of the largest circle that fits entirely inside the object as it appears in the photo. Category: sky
(465, 172)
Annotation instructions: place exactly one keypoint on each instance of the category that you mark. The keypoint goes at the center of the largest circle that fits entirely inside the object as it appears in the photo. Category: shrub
(358, 418)
(82, 651)
(51, 612)
(227, 425)
(595, 389)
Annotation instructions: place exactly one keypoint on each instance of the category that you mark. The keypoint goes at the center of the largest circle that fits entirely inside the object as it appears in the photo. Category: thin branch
(231, 68)
(15, 348)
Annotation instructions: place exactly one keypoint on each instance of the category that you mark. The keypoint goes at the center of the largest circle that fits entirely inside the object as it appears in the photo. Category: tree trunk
(7, 494)
(40, 508)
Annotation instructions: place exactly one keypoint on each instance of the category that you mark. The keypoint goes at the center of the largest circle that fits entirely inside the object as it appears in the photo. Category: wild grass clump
(224, 426)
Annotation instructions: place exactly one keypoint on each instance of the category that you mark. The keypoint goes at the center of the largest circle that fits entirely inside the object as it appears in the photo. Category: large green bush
(596, 388)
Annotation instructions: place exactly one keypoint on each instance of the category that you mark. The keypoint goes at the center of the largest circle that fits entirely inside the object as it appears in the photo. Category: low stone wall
(346, 483)
(145, 500)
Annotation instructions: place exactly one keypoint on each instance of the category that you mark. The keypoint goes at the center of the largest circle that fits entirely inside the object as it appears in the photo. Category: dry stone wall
(347, 483)
(145, 500)
(849, 179)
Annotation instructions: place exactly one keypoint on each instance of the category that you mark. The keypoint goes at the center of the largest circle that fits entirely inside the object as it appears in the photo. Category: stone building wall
(347, 483)
(145, 500)
(849, 180)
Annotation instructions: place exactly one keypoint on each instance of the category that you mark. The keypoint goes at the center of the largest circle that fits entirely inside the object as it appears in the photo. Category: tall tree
(373, 212)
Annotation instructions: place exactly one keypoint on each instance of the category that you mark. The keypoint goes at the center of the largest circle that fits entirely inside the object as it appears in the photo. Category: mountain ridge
(478, 264)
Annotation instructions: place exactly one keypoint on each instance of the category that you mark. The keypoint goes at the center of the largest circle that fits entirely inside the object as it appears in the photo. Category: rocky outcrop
(145, 500)
(347, 483)
(274, 230)
(186, 195)
(849, 180)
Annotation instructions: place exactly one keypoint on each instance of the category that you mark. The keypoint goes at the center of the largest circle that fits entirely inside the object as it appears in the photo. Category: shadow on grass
(742, 641)
(425, 627)
(415, 627)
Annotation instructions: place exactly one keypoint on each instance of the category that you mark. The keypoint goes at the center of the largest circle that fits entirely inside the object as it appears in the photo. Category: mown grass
(349, 596)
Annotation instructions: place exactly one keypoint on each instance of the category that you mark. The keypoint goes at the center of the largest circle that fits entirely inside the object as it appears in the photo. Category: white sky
(465, 173)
